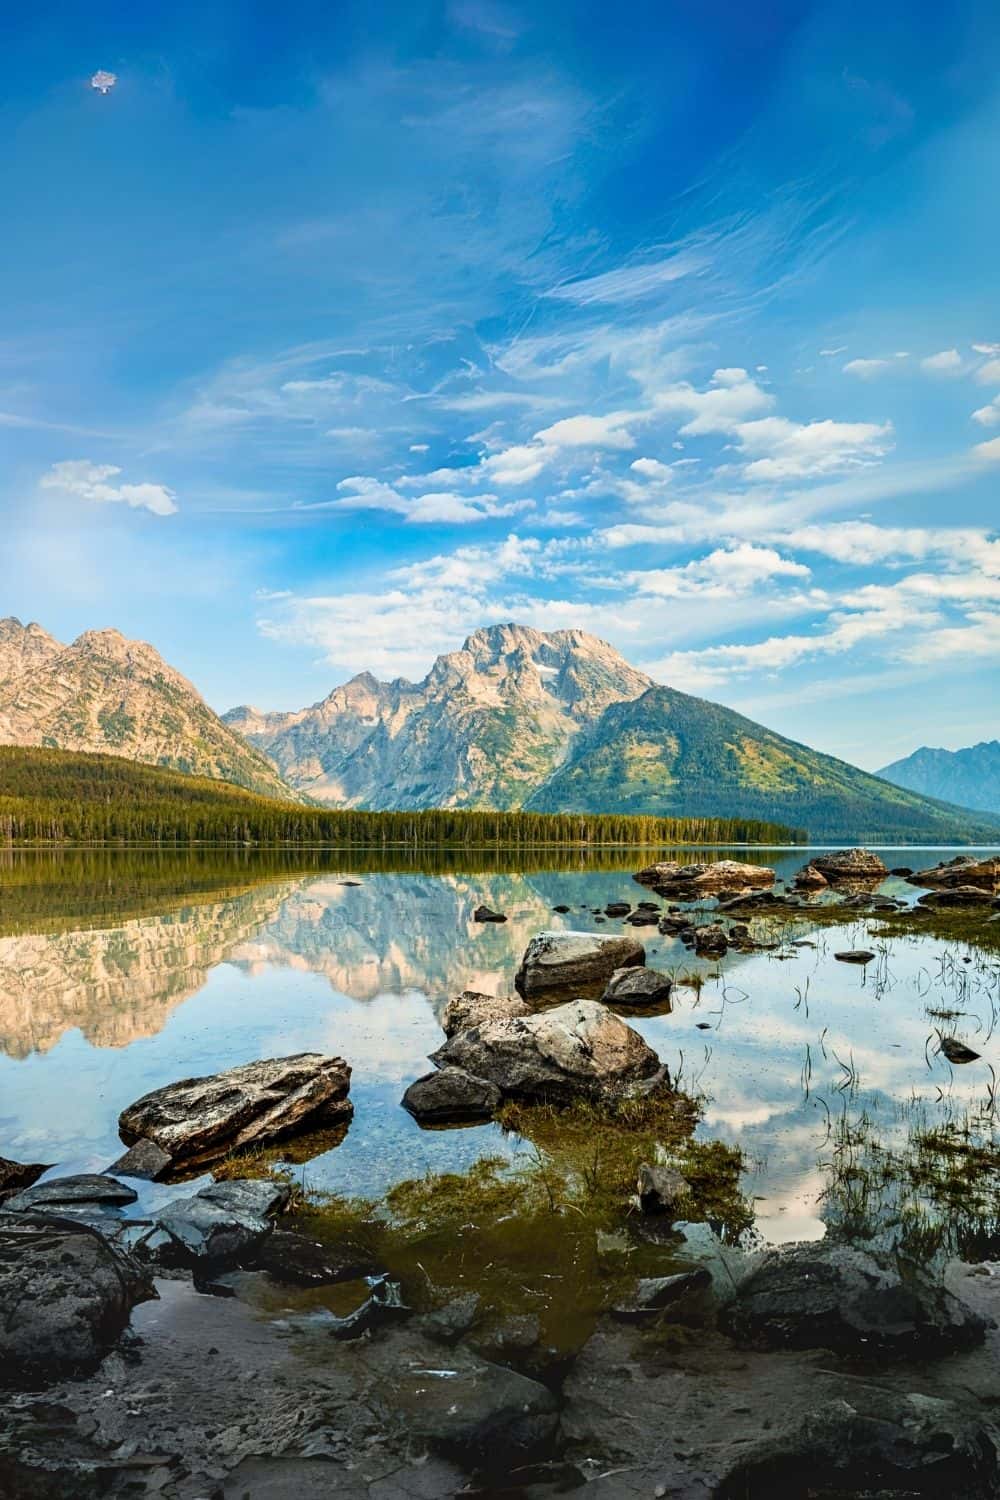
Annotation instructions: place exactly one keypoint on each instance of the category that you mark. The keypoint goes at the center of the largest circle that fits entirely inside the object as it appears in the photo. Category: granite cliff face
(484, 728)
(107, 694)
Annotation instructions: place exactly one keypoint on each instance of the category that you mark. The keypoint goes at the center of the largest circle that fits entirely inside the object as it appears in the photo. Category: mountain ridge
(105, 693)
(970, 777)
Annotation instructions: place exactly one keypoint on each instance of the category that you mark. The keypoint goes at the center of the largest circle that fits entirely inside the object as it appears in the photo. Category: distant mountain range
(108, 694)
(560, 721)
(969, 777)
(519, 718)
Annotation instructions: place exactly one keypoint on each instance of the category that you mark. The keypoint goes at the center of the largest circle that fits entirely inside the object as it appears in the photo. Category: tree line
(58, 796)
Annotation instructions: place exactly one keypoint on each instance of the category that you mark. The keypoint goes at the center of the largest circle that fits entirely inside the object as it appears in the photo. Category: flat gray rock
(637, 986)
(85, 1192)
(451, 1096)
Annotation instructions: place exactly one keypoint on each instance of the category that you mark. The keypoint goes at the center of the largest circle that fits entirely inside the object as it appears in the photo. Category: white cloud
(832, 353)
(866, 369)
(780, 449)
(523, 462)
(989, 373)
(722, 574)
(78, 476)
(989, 415)
(630, 283)
(360, 492)
(651, 468)
(947, 362)
(986, 348)
(730, 398)
(989, 451)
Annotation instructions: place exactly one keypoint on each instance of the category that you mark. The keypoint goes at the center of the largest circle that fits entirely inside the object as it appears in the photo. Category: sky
(333, 332)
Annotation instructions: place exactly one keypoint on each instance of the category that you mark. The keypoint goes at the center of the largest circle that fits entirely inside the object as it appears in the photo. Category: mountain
(119, 697)
(485, 727)
(969, 777)
(667, 751)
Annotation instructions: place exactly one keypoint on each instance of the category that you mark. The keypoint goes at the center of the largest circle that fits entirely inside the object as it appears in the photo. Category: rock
(688, 882)
(580, 1049)
(489, 1416)
(224, 1222)
(65, 1297)
(855, 956)
(451, 1096)
(561, 909)
(671, 926)
(639, 986)
(958, 895)
(15, 1175)
(963, 870)
(881, 1444)
(617, 909)
(512, 1341)
(577, 961)
(653, 1293)
(902, 871)
(86, 1193)
(471, 1009)
(145, 1160)
(813, 1296)
(660, 1189)
(957, 1052)
(487, 914)
(447, 1324)
(643, 917)
(300, 1261)
(199, 1120)
(810, 879)
(849, 864)
(710, 942)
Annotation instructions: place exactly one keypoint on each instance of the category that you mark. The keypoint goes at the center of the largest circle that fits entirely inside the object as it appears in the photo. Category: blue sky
(333, 332)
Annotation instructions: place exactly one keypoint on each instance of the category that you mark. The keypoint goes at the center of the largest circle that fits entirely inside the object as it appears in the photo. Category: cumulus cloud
(523, 462)
(989, 415)
(651, 468)
(989, 373)
(723, 573)
(866, 369)
(947, 362)
(79, 476)
(731, 397)
(779, 449)
(361, 492)
(989, 452)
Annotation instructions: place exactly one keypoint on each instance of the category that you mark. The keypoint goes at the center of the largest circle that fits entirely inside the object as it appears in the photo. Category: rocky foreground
(225, 1345)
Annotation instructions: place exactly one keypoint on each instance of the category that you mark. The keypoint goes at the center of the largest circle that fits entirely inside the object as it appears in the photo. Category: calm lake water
(120, 972)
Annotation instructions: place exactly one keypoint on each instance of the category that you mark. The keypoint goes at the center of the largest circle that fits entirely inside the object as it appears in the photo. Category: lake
(123, 971)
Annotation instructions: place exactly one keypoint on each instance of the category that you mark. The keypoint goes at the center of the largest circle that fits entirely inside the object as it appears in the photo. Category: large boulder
(637, 986)
(65, 1297)
(879, 1443)
(223, 1222)
(471, 1008)
(576, 1050)
(690, 882)
(199, 1120)
(848, 865)
(957, 895)
(451, 1096)
(820, 1296)
(963, 870)
(581, 962)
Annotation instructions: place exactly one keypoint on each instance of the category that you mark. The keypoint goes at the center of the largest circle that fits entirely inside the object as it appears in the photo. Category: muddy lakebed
(522, 1324)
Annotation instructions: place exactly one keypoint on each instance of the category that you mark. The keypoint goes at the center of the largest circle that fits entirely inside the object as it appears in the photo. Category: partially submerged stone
(487, 914)
(855, 956)
(471, 1008)
(223, 1222)
(577, 1050)
(451, 1096)
(958, 895)
(809, 878)
(836, 1297)
(575, 961)
(652, 1294)
(689, 882)
(65, 1297)
(84, 1193)
(637, 986)
(145, 1160)
(963, 870)
(199, 1120)
(850, 864)
(710, 942)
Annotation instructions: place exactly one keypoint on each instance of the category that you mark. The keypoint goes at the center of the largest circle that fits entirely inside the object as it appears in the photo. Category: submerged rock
(957, 1052)
(579, 961)
(958, 895)
(301, 1261)
(617, 909)
(855, 956)
(850, 864)
(883, 1444)
(688, 882)
(710, 942)
(487, 914)
(451, 1096)
(199, 1120)
(654, 1293)
(383, 1307)
(86, 1193)
(835, 1297)
(637, 986)
(471, 1009)
(65, 1297)
(223, 1222)
(576, 1050)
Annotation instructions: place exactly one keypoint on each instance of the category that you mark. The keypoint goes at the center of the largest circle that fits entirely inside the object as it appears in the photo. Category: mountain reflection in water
(123, 971)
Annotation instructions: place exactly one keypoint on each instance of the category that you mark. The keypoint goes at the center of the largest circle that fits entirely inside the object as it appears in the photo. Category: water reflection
(120, 973)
